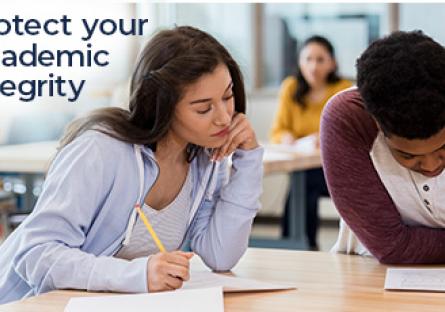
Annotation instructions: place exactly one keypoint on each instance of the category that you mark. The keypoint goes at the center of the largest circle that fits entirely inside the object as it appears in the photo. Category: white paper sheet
(203, 279)
(193, 300)
(306, 144)
(415, 279)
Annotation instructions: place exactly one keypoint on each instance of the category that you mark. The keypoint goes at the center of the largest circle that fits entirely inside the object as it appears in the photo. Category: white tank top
(163, 229)
(169, 223)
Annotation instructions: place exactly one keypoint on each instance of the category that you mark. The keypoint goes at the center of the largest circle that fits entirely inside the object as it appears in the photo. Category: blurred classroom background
(263, 37)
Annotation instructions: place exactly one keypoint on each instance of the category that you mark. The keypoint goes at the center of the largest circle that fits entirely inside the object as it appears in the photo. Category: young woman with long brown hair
(167, 155)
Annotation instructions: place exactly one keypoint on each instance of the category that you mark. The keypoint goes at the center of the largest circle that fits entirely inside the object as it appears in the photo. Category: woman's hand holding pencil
(168, 270)
(165, 270)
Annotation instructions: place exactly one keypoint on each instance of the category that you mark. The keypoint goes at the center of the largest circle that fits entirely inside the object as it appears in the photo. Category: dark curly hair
(303, 86)
(401, 79)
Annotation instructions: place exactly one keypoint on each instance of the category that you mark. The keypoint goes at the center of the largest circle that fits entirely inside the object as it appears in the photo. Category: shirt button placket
(427, 205)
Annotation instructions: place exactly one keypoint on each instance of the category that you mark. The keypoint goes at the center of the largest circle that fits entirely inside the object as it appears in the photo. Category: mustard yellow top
(291, 118)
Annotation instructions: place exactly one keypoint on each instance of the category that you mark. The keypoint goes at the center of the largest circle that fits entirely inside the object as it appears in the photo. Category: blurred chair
(7, 206)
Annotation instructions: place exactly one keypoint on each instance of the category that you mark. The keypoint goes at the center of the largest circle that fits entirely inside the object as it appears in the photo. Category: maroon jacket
(347, 135)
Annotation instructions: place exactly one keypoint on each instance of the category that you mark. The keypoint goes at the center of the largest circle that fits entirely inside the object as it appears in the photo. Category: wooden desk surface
(281, 159)
(36, 157)
(326, 282)
(27, 158)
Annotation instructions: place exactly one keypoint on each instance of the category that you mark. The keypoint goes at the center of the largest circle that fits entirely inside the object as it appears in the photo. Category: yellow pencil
(150, 228)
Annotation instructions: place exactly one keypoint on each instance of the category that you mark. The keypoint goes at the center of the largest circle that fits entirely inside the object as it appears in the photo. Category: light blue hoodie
(86, 210)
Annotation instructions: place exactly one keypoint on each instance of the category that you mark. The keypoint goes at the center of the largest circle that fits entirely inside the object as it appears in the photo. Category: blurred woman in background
(302, 99)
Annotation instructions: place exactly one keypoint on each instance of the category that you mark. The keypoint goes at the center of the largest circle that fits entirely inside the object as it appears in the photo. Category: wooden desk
(29, 161)
(326, 282)
(282, 159)
(27, 158)
(279, 159)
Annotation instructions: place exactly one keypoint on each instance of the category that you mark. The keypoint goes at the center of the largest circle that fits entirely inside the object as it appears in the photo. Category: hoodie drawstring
(132, 220)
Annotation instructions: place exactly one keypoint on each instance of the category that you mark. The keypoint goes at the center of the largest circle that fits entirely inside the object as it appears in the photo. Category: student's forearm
(226, 237)
(52, 265)
(222, 228)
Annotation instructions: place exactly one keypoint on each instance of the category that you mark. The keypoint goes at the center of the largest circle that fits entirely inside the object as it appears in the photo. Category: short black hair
(401, 79)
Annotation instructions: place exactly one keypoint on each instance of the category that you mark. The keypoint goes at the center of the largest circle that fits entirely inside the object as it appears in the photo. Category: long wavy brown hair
(169, 62)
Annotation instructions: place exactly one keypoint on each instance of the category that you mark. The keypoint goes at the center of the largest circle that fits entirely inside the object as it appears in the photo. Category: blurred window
(428, 17)
(349, 26)
(231, 24)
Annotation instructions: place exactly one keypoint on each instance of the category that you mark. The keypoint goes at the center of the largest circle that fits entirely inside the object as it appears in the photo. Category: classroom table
(284, 159)
(27, 158)
(29, 161)
(32, 160)
(324, 281)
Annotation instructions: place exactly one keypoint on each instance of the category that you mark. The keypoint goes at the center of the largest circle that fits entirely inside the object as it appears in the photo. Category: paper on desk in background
(306, 144)
(415, 279)
(203, 279)
(193, 300)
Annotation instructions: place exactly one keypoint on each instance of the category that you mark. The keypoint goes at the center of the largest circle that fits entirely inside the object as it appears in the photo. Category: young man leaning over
(383, 148)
